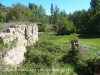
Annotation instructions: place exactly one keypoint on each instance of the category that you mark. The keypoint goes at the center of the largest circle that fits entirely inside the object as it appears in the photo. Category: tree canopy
(81, 21)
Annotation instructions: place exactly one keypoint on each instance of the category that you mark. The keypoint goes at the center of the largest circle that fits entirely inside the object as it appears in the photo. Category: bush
(2, 17)
(42, 28)
(42, 53)
(88, 67)
(67, 28)
(81, 66)
(72, 57)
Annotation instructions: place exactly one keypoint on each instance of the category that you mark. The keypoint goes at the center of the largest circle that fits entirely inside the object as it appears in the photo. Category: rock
(20, 33)
(75, 44)
(26, 35)
(15, 56)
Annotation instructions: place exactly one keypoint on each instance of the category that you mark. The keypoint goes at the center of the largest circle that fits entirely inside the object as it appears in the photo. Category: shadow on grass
(86, 36)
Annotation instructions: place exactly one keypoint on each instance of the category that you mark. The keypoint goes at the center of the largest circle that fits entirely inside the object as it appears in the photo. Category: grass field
(90, 43)
(53, 48)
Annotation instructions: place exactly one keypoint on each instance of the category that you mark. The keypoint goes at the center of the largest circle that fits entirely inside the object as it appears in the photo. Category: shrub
(42, 53)
(42, 28)
(67, 28)
(2, 17)
(72, 57)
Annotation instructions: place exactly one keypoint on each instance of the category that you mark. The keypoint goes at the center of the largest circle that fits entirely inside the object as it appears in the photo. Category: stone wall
(26, 35)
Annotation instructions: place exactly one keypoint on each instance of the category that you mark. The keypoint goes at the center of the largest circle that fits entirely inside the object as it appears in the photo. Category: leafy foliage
(48, 55)
(95, 5)
(2, 17)
(42, 52)
(18, 12)
(67, 28)
(84, 22)
(42, 28)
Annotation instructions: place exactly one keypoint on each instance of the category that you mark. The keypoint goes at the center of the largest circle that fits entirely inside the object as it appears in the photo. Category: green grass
(67, 38)
(57, 39)
(88, 43)
(52, 48)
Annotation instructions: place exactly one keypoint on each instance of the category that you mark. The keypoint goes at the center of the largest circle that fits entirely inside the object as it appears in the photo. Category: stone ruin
(74, 44)
(26, 35)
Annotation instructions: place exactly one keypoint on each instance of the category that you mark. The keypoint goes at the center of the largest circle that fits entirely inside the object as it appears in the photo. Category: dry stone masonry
(75, 44)
(26, 35)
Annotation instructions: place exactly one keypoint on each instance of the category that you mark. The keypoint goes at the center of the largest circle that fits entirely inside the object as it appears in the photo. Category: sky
(68, 5)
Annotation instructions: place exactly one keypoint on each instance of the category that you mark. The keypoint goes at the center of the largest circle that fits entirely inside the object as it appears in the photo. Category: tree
(52, 13)
(3, 12)
(94, 20)
(94, 23)
(55, 16)
(3, 9)
(84, 21)
(65, 26)
(2, 17)
(68, 28)
(18, 12)
(75, 17)
(31, 6)
(63, 13)
(95, 5)
(37, 13)
(41, 11)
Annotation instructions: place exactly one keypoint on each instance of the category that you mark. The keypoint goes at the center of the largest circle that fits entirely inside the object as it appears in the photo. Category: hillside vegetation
(53, 54)
(55, 57)
(82, 21)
